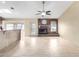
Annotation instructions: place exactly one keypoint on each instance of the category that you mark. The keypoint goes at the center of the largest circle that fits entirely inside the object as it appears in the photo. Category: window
(9, 26)
(20, 26)
(14, 26)
(53, 26)
(33, 28)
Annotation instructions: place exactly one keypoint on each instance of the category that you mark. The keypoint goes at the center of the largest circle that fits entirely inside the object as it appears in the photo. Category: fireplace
(43, 30)
(48, 27)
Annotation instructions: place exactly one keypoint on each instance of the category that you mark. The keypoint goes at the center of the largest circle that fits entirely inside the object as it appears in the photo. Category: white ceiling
(28, 9)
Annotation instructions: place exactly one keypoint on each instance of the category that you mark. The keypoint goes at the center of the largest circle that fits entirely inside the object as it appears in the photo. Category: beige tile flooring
(43, 47)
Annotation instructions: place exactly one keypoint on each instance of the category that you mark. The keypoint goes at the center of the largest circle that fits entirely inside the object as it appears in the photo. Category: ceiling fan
(43, 12)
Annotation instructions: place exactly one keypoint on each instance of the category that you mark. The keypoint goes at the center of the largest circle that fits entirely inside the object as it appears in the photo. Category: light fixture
(43, 12)
(5, 11)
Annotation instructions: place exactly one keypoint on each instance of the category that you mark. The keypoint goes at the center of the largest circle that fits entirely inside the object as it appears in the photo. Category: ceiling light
(43, 14)
(5, 11)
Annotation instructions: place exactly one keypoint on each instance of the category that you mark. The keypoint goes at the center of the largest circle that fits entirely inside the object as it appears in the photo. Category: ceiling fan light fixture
(43, 13)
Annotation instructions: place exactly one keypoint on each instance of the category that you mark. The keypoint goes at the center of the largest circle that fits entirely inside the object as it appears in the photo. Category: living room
(39, 28)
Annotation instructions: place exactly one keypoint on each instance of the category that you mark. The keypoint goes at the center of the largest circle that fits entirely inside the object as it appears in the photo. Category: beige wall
(69, 23)
(28, 26)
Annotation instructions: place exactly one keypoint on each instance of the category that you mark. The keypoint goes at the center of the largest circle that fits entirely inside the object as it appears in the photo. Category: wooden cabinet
(48, 27)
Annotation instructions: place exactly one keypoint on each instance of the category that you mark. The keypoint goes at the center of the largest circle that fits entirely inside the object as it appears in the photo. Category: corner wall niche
(48, 27)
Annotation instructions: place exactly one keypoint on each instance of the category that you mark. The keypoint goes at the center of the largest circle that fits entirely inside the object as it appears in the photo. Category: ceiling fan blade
(48, 12)
(38, 13)
(43, 12)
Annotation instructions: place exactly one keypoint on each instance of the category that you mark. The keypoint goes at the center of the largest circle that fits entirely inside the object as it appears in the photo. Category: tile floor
(43, 47)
